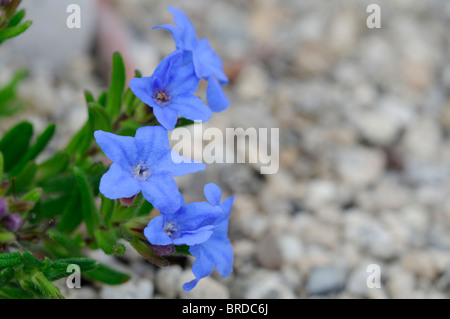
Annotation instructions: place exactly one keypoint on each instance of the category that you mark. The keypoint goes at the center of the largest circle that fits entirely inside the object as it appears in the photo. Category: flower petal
(213, 193)
(203, 266)
(118, 183)
(227, 204)
(162, 191)
(194, 237)
(192, 108)
(189, 36)
(215, 96)
(166, 116)
(207, 63)
(155, 234)
(144, 88)
(152, 142)
(181, 78)
(177, 165)
(197, 215)
(119, 149)
(176, 33)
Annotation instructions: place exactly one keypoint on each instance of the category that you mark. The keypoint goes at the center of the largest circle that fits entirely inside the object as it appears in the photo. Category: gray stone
(136, 288)
(167, 280)
(326, 280)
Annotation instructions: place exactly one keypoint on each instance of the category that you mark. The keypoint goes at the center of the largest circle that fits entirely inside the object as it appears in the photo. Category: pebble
(326, 280)
(364, 125)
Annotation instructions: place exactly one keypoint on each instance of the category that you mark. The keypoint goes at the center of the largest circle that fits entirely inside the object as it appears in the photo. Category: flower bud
(128, 201)
(12, 222)
(163, 250)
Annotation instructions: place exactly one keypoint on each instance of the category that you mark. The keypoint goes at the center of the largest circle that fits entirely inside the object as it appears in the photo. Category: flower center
(170, 229)
(161, 97)
(141, 171)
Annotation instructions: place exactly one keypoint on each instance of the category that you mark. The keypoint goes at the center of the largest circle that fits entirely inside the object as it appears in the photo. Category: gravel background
(364, 119)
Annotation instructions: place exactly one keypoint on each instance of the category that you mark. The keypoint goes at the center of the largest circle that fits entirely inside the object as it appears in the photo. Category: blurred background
(364, 119)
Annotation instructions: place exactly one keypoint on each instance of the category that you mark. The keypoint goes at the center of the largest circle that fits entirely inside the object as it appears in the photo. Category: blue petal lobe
(215, 96)
(162, 191)
(213, 193)
(192, 108)
(155, 234)
(118, 183)
(152, 142)
(177, 165)
(120, 149)
(166, 117)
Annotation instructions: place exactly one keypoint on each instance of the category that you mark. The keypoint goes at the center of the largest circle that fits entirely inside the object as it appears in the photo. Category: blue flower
(203, 226)
(207, 63)
(169, 91)
(144, 163)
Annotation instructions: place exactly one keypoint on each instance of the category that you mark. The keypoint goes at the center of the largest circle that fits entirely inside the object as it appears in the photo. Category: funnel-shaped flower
(203, 226)
(144, 163)
(207, 63)
(170, 91)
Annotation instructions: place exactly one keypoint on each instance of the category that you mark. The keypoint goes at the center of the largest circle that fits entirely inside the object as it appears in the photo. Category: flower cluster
(145, 163)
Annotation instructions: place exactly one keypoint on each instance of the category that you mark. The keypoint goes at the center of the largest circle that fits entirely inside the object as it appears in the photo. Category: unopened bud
(12, 222)
(163, 250)
(128, 201)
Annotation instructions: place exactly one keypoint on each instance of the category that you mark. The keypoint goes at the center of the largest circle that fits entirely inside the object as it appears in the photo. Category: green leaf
(107, 275)
(116, 87)
(6, 275)
(29, 261)
(102, 98)
(13, 292)
(119, 249)
(107, 239)
(72, 247)
(52, 167)
(58, 269)
(72, 215)
(26, 177)
(36, 149)
(8, 105)
(8, 33)
(33, 195)
(100, 118)
(15, 143)
(144, 209)
(17, 18)
(85, 264)
(182, 250)
(124, 213)
(45, 286)
(184, 122)
(7, 237)
(89, 97)
(106, 210)
(91, 216)
(9, 260)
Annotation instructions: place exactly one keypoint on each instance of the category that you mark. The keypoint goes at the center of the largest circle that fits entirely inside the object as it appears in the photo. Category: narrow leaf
(91, 216)
(116, 87)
